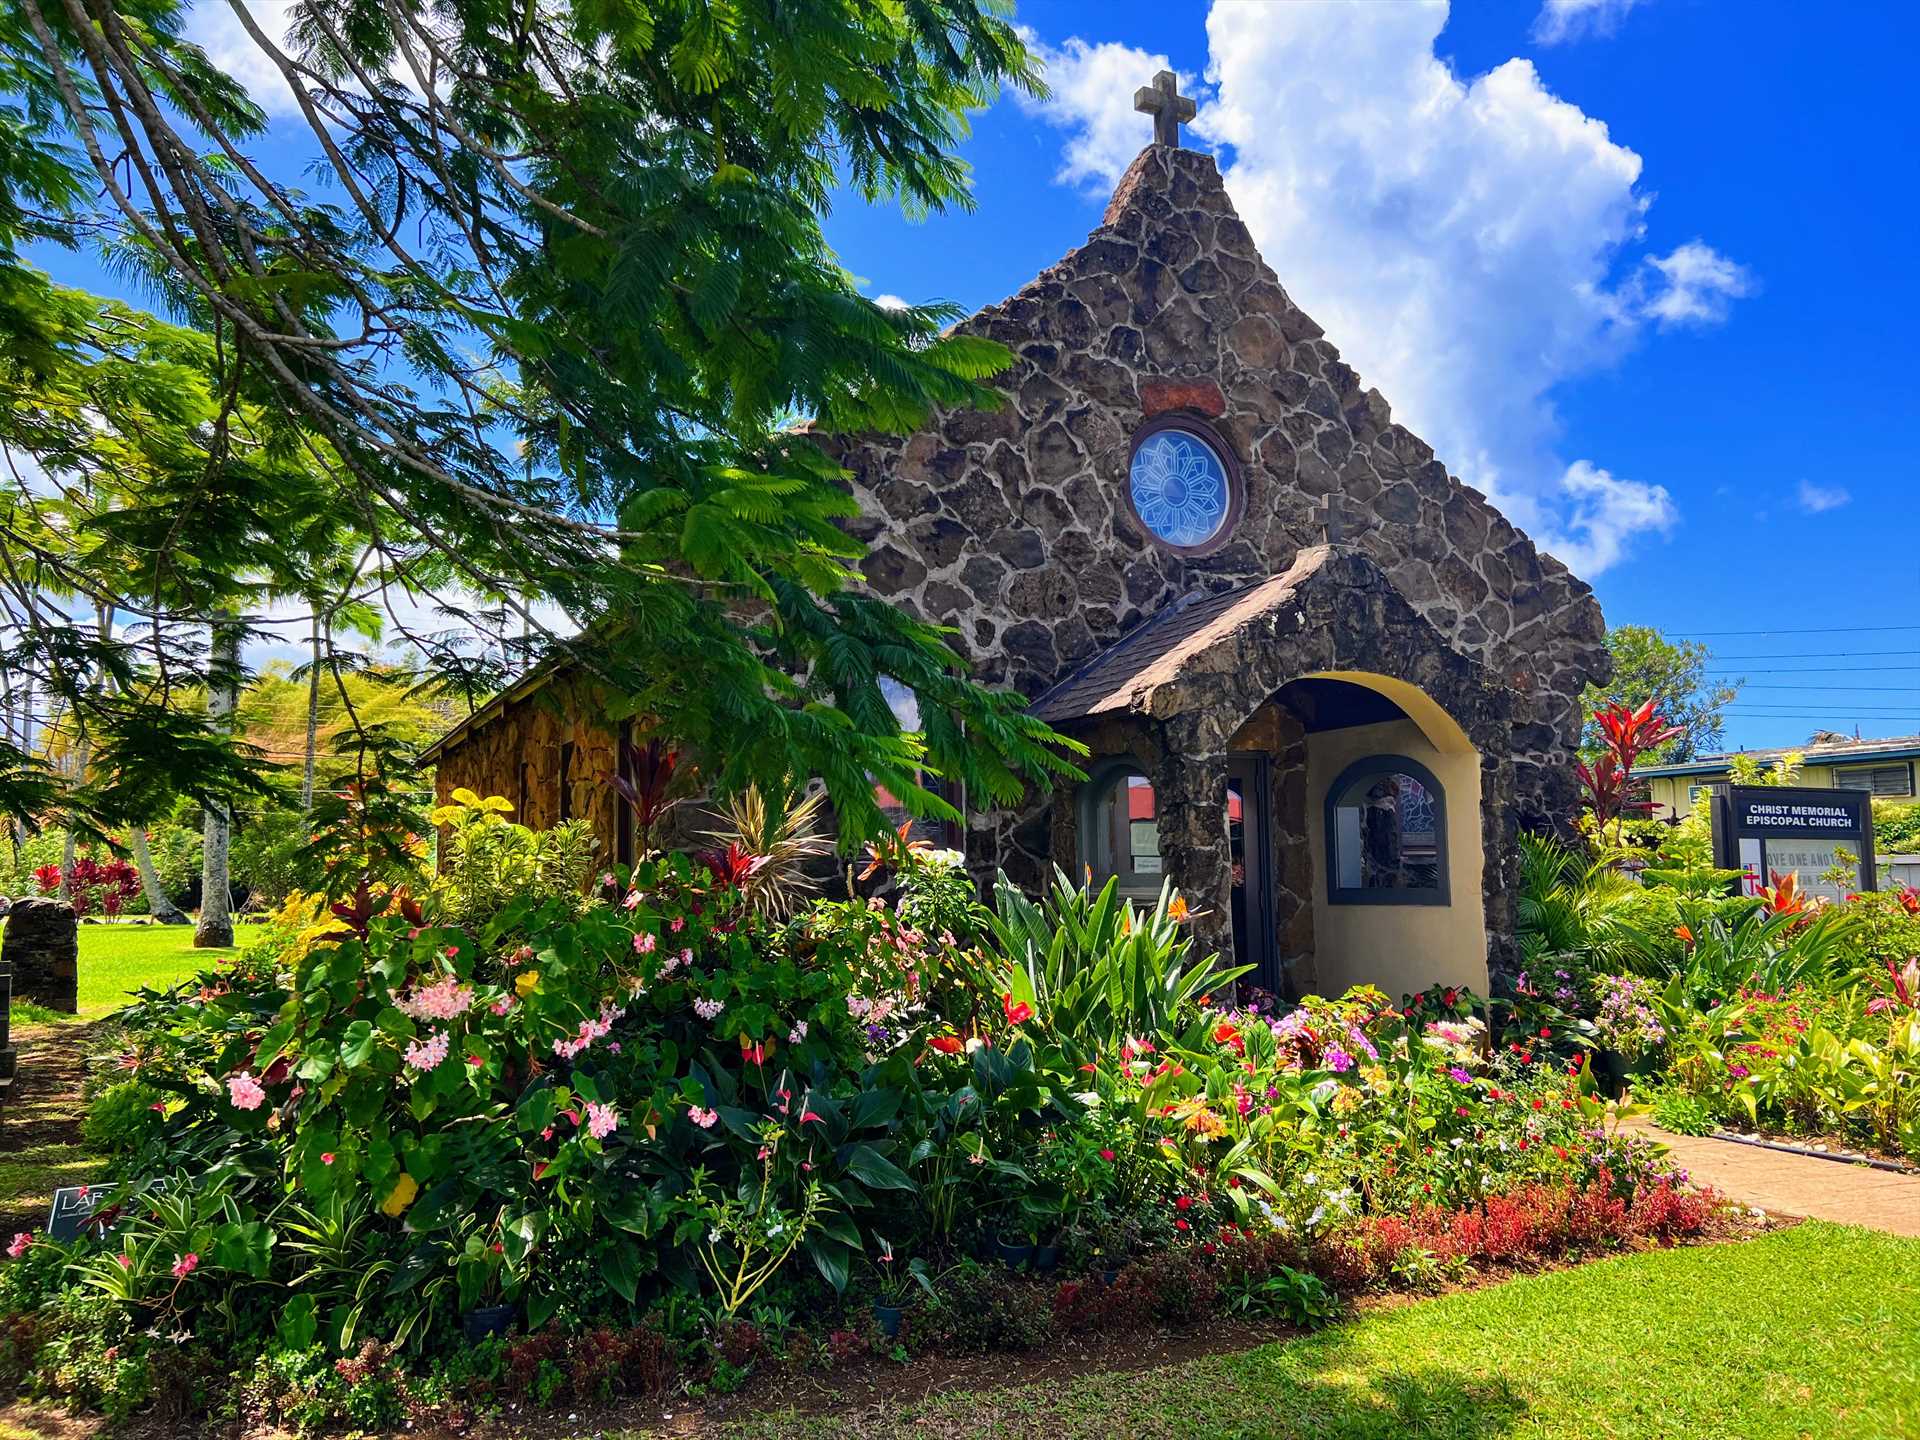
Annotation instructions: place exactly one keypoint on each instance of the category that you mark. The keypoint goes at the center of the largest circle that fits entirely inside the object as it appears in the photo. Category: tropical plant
(1624, 734)
(781, 838)
(1093, 971)
(1571, 909)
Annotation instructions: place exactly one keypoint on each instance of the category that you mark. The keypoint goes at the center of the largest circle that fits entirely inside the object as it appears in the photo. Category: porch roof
(1125, 675)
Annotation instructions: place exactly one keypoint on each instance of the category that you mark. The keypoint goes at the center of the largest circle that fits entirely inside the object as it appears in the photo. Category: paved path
(1799, 1184)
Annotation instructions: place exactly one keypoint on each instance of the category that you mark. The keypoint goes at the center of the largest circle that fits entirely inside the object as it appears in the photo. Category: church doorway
(1250, 850)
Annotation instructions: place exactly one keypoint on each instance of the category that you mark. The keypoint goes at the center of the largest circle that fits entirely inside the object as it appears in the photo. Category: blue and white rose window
(1180, 487)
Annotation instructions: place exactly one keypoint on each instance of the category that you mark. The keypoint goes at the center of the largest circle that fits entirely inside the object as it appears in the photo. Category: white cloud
(1699, 285)
(1465, 241)
(1562, 20)
(1602, 513)
(1092, 95)
(214, 27)
(891, 302)
(1817, 499)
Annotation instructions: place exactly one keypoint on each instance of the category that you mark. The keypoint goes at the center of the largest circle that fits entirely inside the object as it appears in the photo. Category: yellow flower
(524, 982)
(405, 1189)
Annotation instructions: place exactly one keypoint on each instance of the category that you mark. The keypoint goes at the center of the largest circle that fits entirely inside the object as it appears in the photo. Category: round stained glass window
(1182, 491)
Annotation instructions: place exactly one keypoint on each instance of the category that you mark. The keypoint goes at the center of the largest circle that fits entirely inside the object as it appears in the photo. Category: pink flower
(632, 902)
(679, 924)
(709, 1009)
(644, 942)
(500, 1007)
(797, 1033)
(426, 1054)
(808, 1117)
(613, 1047)
(686, 956)
(452, 952)
(126, 1260)
(705, 1119)
(21, 1240)
(547, 1134)
(602, 1120)
(245, 1092)
(185, 1265)
(446, 999)
(326, 1157)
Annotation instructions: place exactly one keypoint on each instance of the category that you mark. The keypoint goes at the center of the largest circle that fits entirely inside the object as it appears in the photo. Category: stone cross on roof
(1163, 100)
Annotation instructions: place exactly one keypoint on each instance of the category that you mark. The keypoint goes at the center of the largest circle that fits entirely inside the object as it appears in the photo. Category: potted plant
(893, 1287)
(486, 1306)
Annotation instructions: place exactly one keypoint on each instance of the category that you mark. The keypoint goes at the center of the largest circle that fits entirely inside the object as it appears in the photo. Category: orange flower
(1684, 933)
(1177, 909)
(946, 1044)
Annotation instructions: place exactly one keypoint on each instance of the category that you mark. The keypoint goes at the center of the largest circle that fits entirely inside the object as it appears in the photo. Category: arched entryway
(1353, 812)
(1320, 775)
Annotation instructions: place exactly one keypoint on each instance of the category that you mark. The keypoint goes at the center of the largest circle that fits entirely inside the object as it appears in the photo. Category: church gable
(1018, 527)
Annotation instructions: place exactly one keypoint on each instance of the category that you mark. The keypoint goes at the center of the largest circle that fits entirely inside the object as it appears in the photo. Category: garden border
(1787, 1147)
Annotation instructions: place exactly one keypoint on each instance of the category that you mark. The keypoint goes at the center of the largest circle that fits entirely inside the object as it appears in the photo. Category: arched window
(1120, 830)
(1386, 834)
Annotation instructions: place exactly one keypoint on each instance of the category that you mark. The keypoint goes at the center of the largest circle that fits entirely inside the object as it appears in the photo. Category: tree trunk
(162, 908)
(215, 927)
(313, 718)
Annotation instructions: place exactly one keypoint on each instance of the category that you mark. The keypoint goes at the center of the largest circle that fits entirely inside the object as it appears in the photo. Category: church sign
(1768, 830)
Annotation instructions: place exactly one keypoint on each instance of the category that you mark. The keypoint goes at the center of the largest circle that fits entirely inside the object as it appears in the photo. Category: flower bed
(646, 1120)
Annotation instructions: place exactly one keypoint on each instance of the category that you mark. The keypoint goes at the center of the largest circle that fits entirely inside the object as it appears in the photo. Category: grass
(1807, 1332)
(117, 960)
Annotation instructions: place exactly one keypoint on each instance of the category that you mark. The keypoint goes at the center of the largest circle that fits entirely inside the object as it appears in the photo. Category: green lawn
(1809, 1332)
(116, 960)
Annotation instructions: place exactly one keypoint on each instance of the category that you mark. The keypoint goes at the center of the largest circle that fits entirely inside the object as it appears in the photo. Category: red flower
(1018, 1012)
(946, 1044)
(1209, 1247)
(1545, 1033)
(1183, 1202)
(808, 1116)
(1106, 1155)
(1181, 1225)
(1538, 1103)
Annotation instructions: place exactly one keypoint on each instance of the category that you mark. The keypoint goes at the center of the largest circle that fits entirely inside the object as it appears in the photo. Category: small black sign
(1764, 830)
(73, 1206)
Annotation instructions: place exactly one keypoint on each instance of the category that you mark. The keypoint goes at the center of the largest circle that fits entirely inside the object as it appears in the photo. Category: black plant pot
(1110, 1278)
(887, 1317)
(477, 1324)
(1014, 1253)
(1046, 1258)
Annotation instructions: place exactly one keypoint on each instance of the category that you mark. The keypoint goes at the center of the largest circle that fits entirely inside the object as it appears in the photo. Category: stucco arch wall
(1400, 948)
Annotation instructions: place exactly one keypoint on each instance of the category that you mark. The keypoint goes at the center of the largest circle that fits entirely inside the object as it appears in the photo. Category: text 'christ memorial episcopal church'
(1322, 682)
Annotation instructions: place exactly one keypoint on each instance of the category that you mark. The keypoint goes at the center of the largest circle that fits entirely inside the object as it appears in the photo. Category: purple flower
(1459, 1076)
(1338, 1060)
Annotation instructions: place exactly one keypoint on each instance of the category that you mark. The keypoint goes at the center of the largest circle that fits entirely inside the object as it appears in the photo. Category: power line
(1819, 670)
(1815, 630)
(1816, 655)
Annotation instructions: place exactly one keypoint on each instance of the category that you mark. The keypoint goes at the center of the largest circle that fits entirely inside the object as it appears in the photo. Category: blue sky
(1771, 138)
(1642, 269)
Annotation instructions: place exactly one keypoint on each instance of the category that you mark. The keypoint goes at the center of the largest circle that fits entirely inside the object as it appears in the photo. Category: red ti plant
(643, 781)
(1626, 735)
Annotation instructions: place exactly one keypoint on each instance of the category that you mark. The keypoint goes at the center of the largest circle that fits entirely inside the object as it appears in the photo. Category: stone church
(1322, 682)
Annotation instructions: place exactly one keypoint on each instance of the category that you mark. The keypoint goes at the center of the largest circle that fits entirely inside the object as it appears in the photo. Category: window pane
(1125, 838)
(1386, 834)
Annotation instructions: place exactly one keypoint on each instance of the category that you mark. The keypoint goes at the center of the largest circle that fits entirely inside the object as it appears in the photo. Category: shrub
(982, 1308)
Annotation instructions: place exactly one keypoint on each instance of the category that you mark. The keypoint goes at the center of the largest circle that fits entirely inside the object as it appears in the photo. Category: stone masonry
(42, 949)
(1014, 527)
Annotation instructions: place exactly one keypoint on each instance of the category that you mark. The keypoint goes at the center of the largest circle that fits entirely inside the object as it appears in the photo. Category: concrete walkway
(1798, 1184)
